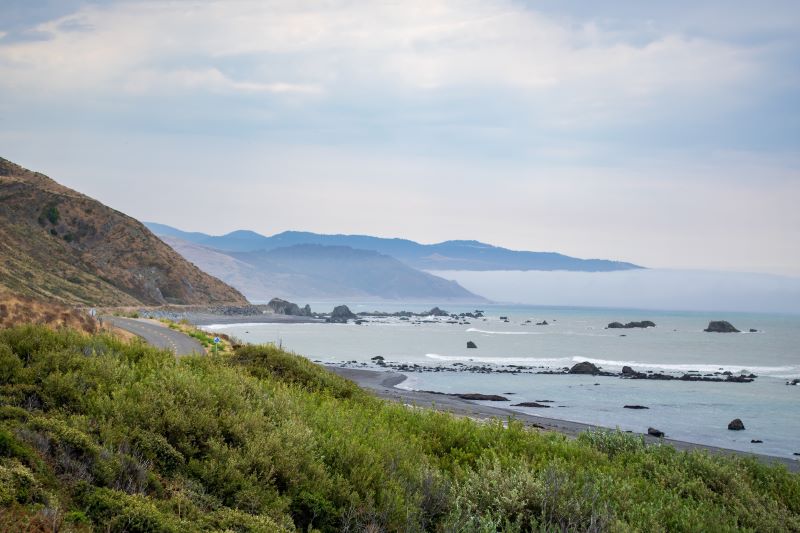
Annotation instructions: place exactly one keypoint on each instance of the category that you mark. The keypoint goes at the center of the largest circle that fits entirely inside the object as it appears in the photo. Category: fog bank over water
(690, 290)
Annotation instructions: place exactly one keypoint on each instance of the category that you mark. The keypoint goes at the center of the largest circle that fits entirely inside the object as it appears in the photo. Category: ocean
(690, 411)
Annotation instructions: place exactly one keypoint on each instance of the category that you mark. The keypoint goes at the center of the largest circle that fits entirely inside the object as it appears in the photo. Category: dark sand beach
(383, 384)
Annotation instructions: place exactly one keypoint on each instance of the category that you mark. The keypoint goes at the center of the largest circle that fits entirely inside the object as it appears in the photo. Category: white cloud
(583, 71)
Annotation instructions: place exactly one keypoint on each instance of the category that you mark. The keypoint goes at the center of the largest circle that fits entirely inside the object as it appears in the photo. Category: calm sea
(690, 411)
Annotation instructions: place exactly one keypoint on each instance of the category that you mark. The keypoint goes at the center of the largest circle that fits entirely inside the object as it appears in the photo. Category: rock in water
(471, 344)
(756, 441)
(282, 307)
(655, 432)
(635, 407)
(530, 404)
(484, 397)
(630, 325)
(342, 314)
(736, 425)
(584, 368)
(720, 326)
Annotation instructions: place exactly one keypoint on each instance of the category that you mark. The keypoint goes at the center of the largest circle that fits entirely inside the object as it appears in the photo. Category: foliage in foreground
(96, 434)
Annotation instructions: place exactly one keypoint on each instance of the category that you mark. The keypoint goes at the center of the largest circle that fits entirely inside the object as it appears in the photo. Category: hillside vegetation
(99, 435)
(63, 246)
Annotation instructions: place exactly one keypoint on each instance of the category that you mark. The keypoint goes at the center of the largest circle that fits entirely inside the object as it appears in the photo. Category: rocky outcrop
(655, 432)
(736, 425)
(471, 344)
(630, 325)
(282, 307)
(483, 397)
(531, 404)
(720, 326)
(341, 314)
(635, 407)
(438, 312)
(584, 368)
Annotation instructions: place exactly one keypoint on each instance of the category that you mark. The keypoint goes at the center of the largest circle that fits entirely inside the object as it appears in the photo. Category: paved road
(158, 335)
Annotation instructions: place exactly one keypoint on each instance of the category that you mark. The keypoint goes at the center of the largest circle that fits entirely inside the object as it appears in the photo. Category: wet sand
(383, 385)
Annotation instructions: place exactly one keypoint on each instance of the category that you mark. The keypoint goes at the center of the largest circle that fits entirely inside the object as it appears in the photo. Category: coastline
(384, 385)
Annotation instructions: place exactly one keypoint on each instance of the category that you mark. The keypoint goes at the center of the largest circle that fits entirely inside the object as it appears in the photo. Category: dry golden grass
(59, 245)
(16, 310)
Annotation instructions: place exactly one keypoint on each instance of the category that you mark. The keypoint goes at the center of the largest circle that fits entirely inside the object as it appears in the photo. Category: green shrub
(10, 365)
(128, 438)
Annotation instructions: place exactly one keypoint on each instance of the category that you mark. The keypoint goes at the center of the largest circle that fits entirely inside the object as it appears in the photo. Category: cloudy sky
(661, 133)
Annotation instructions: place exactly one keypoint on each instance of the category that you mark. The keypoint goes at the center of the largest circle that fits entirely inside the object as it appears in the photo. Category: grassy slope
(60, 245)
(98, 434)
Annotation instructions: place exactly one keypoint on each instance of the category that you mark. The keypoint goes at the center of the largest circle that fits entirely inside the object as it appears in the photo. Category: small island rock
(471, 344)
(720, 326)
(736, 425)
(341, 314)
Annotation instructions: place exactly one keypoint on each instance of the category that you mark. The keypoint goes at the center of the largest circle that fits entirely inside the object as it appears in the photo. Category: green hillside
(98, 435)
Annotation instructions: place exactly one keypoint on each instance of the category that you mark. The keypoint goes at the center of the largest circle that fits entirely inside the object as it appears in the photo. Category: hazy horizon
(662, 135)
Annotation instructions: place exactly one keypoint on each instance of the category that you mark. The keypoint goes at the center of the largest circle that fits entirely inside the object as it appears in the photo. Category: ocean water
(691, 411)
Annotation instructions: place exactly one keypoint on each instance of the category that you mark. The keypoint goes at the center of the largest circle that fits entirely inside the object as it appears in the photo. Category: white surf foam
(487, 332)
(498, 360)
(705, 367)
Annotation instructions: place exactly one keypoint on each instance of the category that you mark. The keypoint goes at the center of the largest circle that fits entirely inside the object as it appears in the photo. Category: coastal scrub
(99, 434)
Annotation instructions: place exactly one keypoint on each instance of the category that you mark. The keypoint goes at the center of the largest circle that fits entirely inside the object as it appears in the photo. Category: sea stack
(720, 326)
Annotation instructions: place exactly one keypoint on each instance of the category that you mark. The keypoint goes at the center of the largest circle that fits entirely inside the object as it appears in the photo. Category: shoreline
(384, 385)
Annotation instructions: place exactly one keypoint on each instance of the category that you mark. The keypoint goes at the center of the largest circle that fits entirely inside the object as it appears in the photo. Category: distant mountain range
(448, 255)
(59, 245)
(306, 272)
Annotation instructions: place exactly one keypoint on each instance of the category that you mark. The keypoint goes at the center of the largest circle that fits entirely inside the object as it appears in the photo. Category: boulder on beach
(736, 425)
(720, 326)
(584, 368)
(471, 344)
(484, 397)
(655, 432)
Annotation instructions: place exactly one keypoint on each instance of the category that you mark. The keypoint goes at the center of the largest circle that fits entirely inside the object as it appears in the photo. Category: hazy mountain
(304, 272)
(448, 255)
(62, 245)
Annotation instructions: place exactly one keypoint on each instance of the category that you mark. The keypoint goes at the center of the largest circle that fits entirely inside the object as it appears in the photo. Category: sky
(661, 133)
